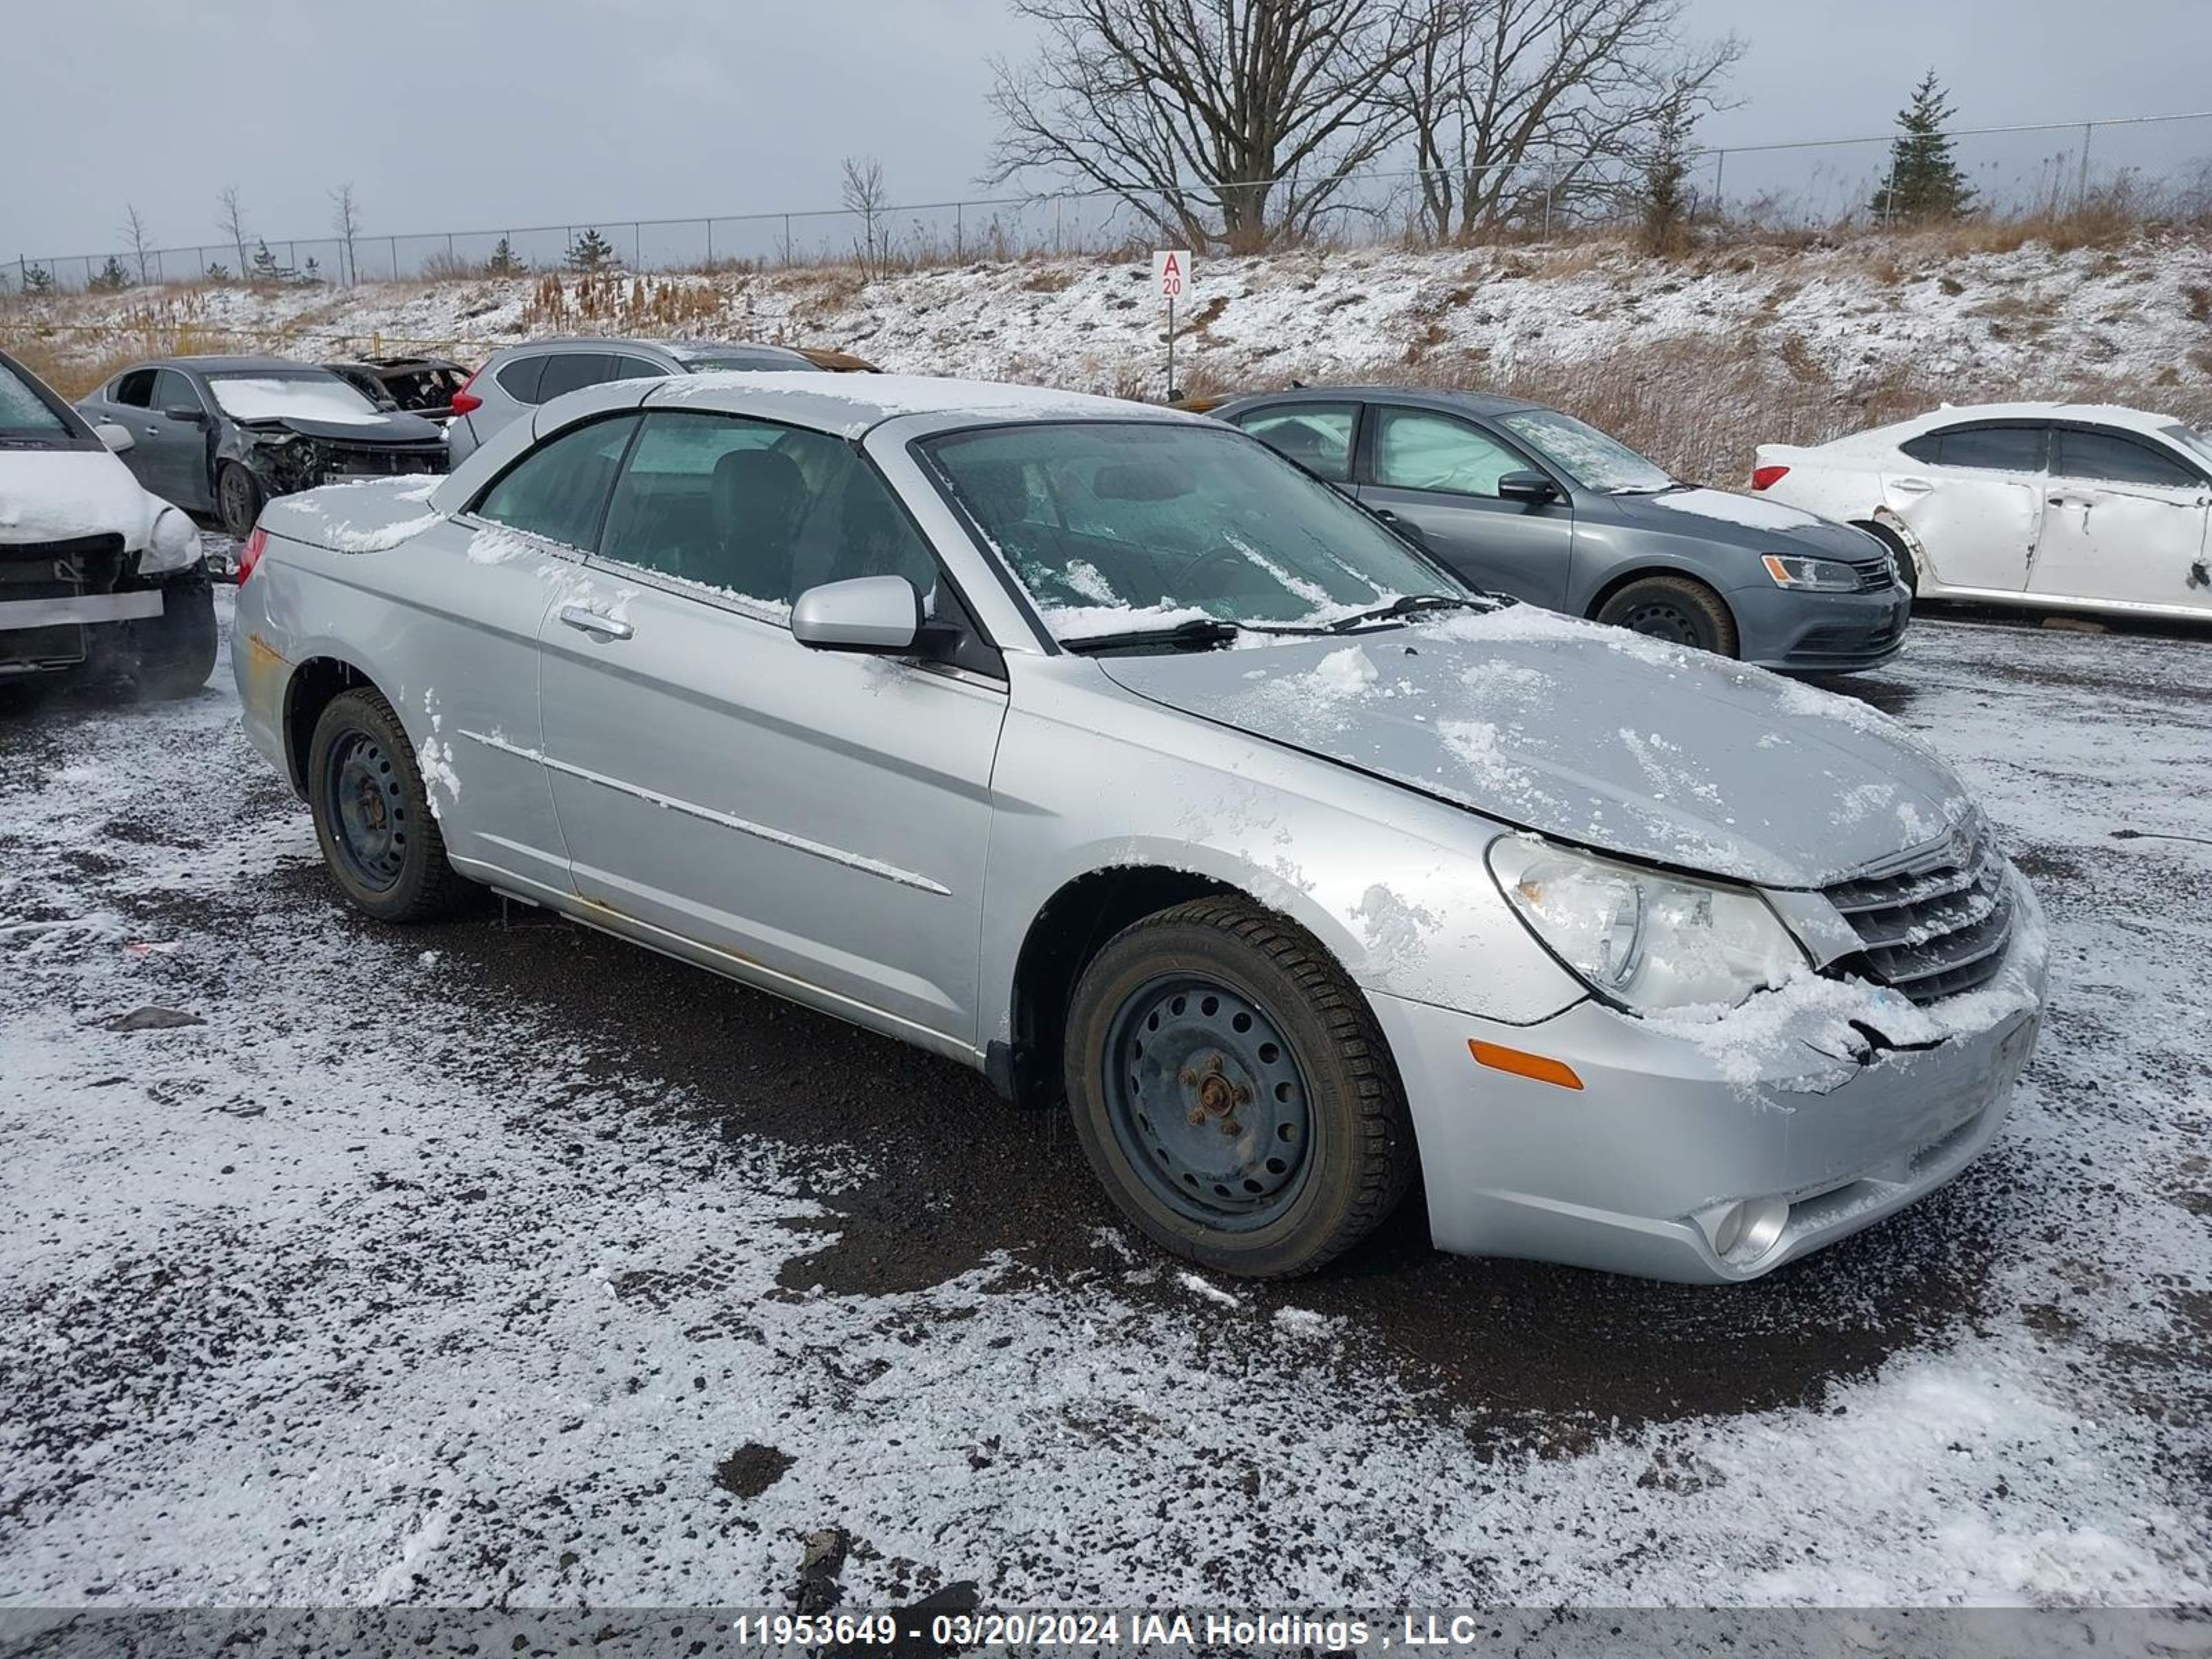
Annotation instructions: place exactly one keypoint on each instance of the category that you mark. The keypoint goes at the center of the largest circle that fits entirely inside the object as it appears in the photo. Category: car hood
(1591, 735)
(396, 428)
(52, 495)
(1723, 517)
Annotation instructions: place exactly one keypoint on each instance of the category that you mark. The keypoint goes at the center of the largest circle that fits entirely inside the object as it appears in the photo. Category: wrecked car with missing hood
(97, 577)
(1102, 749)
(222, 435)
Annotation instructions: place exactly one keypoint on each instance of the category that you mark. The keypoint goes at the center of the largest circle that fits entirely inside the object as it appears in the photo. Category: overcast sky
(465, 114)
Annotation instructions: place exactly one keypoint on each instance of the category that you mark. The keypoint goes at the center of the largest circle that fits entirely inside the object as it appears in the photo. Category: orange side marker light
(1539, 1066)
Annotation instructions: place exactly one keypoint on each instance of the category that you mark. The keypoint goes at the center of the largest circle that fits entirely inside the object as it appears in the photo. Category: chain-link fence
(2149, 165)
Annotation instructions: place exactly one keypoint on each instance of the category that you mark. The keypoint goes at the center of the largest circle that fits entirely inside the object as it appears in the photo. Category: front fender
(1394, 884)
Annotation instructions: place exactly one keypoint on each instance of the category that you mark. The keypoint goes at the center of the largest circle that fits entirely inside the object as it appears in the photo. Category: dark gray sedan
(1523, 500)
(221, 435)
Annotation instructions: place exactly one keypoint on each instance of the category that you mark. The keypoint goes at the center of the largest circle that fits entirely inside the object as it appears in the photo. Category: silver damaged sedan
(1104, 750)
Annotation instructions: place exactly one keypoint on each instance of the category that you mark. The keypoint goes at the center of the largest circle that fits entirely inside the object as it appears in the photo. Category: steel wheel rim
(1208, 1102)
(1660, 619)
(366, 809)
(237, 496)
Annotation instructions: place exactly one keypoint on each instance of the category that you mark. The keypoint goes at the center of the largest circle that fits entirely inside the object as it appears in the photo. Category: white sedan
(2070, 507)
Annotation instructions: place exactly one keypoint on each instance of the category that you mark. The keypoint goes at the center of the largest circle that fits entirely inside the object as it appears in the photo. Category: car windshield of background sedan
(1586, 454)
(24, 415)
(271, 395)
(1115, 525)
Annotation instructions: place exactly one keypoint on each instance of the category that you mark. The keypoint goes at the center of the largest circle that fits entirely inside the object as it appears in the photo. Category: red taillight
(1762, 476)
(466, 402)
(250, 554)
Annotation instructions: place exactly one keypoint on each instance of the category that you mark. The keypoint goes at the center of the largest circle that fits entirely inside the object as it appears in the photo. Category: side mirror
(191, 414)
(881, 614)
(117, 437)
(1531, 487)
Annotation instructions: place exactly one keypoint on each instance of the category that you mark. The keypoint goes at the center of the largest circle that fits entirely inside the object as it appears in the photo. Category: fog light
(1749, 1230)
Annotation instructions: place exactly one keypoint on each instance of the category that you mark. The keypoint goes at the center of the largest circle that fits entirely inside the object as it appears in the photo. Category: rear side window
(1989, 448)
(520, 379)
(136, 389)
(637, 368)
(2108, 455)
(1317, 436)
(559, 490)
(572, 371)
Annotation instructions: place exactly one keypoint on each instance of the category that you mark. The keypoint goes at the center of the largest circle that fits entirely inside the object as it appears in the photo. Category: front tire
(1676, 609)
(1232, 1092)
(171, 655)
(1907, 566)
(237, 499)
(373, 816)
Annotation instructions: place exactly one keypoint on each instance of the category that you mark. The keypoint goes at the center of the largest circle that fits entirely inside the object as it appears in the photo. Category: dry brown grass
(612, 303)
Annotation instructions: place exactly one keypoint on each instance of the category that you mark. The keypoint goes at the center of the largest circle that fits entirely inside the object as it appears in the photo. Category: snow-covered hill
(1694, 359)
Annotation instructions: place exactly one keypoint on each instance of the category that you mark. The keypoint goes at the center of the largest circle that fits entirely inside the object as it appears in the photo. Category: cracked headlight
(174, 544)
(1645, 941)
(1817, 576)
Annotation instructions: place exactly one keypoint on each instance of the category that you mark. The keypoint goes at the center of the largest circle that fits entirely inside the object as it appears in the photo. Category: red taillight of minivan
(250, 554)
(1764, 477)
(466, 402)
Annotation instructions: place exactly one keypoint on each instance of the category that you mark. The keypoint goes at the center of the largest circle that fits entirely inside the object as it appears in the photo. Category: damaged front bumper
(287, 462)
(1671, 1161)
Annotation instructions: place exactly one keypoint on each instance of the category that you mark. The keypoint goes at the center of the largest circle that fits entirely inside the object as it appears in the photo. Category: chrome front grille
(1874, 574)
(1935, 924)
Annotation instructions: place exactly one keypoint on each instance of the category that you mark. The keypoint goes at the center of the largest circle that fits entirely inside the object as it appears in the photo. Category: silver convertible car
(1102, 749)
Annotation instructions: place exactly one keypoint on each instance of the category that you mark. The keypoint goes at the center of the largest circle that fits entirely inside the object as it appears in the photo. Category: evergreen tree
(265, 267)
(112, 279)
(311, 272)
(218, 272)
(37, 279)
(591, 253)
(1924, 179)
(504, 261)
(1666, 193)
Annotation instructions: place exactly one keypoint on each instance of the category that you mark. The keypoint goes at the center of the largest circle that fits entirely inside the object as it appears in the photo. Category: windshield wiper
(1199, 633)
(1405, 605)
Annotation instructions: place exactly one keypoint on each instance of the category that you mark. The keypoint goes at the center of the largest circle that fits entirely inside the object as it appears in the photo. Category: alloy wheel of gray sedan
(1227, 1089)
(237, 499)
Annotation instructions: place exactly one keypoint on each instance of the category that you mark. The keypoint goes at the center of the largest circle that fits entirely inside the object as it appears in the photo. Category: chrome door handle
(596, 622)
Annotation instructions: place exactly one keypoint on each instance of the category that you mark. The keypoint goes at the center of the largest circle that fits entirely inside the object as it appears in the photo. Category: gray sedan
(1524, 499)
(1099, 749)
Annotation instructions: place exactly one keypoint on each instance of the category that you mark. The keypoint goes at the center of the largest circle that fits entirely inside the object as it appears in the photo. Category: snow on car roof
(850, 405)
(2133, 420)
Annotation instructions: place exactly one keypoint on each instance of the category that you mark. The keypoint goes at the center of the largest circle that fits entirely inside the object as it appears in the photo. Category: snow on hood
(366, 516)
(1590, 734)
(47, 494)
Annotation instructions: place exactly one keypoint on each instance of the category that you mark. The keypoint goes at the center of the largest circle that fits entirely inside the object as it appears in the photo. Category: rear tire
(237, 499)
(1675, 609)
(1232, 1092)
(373, 816)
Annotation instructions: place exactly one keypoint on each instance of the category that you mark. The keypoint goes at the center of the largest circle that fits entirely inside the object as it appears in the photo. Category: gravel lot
(498, 1262)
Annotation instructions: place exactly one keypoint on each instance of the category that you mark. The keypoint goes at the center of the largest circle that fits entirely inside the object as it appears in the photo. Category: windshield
(24, 416)
(309, 395)
(2198, 444)
(1586, 454)
(1115, 525)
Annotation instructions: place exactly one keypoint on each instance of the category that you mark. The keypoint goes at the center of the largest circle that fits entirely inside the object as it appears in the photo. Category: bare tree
(232, 222)
(865, 197)
(1229, 121)
(134, 238)
(345, 219)
(1516, 106)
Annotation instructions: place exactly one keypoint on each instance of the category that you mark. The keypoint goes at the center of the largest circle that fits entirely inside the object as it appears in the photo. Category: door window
(136, 389)
(520, 379)
(1317, 436)
(174, 391)
(2107, 455)
(559, 489)
(637, 368)
(572, 371)
(758, 510)
(1985, 449)
(1418, 451)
